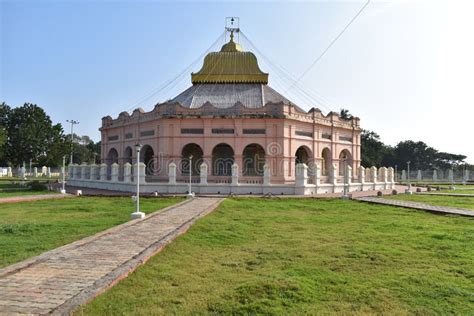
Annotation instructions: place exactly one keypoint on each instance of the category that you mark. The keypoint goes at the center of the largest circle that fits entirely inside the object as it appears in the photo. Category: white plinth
(190, 195)
(408, 191)
(137, 215)
(63, 191)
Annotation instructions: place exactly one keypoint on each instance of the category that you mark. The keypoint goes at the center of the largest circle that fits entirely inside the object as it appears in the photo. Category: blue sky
(404, 67)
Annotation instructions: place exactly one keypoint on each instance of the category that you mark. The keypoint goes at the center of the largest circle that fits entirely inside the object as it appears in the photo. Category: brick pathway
(61, 279)
(29, 198)
(418, 206)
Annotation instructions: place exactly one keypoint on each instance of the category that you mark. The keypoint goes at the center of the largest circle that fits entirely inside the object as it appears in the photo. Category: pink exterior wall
(280, 141)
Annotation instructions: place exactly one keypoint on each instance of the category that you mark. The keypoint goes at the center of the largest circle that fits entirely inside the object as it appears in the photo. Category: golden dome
(230, 65)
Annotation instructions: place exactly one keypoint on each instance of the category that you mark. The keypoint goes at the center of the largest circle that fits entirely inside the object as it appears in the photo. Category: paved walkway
(29, 198)
(60, 280)
(418, 206)
(448, 194)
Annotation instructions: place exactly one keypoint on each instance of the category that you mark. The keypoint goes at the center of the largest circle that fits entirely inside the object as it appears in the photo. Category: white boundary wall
(94, 176)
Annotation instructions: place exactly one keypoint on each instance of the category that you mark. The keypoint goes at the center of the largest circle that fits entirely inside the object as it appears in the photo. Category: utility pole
(72, 129)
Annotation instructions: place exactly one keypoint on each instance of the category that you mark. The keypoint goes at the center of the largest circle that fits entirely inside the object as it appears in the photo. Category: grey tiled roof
(227, 95)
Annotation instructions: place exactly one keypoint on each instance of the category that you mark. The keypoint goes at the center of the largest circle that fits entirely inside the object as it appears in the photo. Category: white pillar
(391, 175)
(48, 172)
(418, 175)
(103, 172)
(203, 173)
(83, 170)
(93, 172)
(114, 172)
(23, 172)
(333, 174)
(70, 171)
(450, 175)
(368, 174)
(35, 172)
(435, 175)
(348, 175)
(266, 174)
(127, 172)
(76, 170)
(383, 174)
(9, 172)
(141, 173)
(404, 175)
(362, 175)
(373, 174)
(317, 175)
(301, 175)
(172, 173)
(466, 175)
(235, 174)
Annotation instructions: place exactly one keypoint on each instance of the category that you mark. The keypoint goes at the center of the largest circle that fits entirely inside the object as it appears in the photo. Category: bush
(37, 186)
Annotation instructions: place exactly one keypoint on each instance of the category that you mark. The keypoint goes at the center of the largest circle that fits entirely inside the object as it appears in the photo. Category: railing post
(83, 170)
(404, 175)
(203, 173)
(450, 175)
(361, 175)
(333, 174)
(9, 172)
(127, 172)
(140, 173)
(103, 172)
(435, 175)
(266, 174)
(301, 175)
(317, 175)
(418, 175)
(35, 172)
(93, 171)
(348, 175)
(235, 174)
(114, 172)
(172, 173)
(391, 176)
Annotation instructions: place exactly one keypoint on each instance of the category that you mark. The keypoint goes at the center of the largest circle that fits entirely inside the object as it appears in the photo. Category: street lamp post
(72, 129)
(63, 190)
(137, 214)
(190, 193)
(344, 194)
(408, 190)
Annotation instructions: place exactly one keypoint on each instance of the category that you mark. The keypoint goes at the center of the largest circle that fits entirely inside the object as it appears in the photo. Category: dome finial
(232, 35)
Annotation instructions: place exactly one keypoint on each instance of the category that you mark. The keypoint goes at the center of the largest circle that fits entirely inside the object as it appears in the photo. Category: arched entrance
(325, 161)
(127, 155)
(253, 160)
(345, 159)
(147, 157)
(222, 160)
(112, 156)
(302, 155)
(197, 153)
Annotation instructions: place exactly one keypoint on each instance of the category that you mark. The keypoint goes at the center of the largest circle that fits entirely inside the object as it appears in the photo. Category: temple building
(228, 117)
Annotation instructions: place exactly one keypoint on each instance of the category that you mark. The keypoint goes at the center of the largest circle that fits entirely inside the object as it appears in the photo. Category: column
(35, 172)
(235, 174)
(127, 172)
(172, 173)
(301, 175)
(266, 174)
(103, 172)
(418, 175)
(93, 172)
(203, 173)
(333, 174)
(140, 173)
(114, 172)
(362, 175)
(435, 175)
(83, 170)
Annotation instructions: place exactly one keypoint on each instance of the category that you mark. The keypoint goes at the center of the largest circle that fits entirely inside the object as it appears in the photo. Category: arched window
(326, 161)
(253, 160)
(222, 160)
(196, 151)
(345, 159)
(127, 155)
(147, 156)
(302, 155)
(112, 156)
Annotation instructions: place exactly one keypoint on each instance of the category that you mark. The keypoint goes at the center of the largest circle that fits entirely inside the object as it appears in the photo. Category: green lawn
(453, 201)
(9, 188)
(457, 191)
(30, 228)
(305, 256)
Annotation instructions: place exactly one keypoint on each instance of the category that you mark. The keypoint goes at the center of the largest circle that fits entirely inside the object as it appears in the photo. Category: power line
(331, 44)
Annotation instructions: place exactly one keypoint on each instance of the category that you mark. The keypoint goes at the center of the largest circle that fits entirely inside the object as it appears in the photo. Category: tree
(31, 135)
(373, 150)
(4, 113)
(345, 114)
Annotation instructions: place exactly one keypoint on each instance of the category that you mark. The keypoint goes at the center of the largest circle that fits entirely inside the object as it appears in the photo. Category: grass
(305, 256)
(464, 191)
(30, 228)
(452, 201)
(10, 188)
